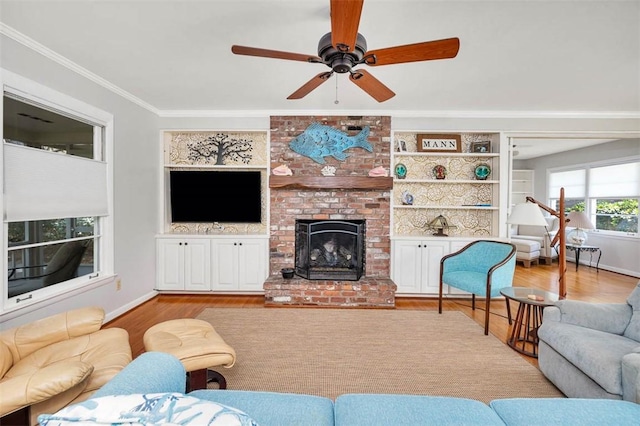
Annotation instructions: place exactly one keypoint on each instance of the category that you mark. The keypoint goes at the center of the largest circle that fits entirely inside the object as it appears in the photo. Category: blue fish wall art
(319, 141)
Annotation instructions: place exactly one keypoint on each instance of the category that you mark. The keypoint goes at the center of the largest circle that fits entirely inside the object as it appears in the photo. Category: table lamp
(526, 214)
(580, 222)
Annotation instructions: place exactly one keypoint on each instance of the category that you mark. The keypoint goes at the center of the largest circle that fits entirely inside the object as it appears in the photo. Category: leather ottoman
(198, 347)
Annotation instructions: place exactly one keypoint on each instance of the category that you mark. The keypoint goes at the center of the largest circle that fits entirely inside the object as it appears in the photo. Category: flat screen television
(215, 196)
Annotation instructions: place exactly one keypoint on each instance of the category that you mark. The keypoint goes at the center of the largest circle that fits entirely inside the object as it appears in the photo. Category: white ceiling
(515, 56)
(527, 57)
(528, 148)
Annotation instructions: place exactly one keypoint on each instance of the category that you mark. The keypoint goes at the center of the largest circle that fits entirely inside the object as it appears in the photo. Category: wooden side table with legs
(524, 332)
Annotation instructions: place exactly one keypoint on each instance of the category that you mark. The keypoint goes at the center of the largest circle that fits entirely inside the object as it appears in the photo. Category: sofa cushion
(274, 408)
(596, 353)
(385, 409)
(566, 412)
(147, 409)
(633, 329)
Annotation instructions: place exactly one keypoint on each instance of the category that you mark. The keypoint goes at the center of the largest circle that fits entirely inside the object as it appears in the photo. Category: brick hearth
(310, 199)
(368, 292)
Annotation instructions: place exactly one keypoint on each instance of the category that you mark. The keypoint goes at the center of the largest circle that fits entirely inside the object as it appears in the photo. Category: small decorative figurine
(282, 170)
(440, 224)
(407, 198)
(439, 172)
(401, 171)
(378, 172)
(482, 171)
(328, 171)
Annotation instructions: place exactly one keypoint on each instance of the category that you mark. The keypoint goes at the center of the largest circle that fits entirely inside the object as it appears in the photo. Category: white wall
(136, 154)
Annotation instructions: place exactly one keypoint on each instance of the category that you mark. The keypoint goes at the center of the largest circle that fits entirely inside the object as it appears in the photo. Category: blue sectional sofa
(154, 374)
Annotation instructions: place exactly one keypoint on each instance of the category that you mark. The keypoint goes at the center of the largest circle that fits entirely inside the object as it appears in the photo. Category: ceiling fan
(344, 48)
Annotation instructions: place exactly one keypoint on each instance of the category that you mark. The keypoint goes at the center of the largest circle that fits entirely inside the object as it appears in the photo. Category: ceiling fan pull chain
(336, 101)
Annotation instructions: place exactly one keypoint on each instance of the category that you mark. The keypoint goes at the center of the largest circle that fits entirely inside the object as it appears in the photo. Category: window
(48, 252)
(55, 202)
(574, 184)
(614, 192)
(608, 194)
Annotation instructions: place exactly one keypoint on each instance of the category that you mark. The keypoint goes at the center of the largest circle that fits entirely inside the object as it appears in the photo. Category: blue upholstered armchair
(481, 268)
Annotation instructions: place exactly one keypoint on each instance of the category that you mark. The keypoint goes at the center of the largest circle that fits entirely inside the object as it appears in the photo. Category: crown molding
(609, 115)
(56, 57)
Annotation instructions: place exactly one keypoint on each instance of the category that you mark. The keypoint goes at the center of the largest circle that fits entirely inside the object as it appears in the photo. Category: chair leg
(214, 376)
(473, 302)
(508, 310)
(440, 299)
(486, 315)
(197, 379)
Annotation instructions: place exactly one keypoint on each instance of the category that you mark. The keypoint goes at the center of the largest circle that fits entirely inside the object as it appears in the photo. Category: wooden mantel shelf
(330, 182)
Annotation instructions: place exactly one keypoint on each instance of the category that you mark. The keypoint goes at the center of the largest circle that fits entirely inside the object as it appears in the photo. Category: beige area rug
(328, 352)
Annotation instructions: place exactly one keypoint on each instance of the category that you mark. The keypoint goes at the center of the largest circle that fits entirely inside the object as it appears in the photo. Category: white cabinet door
(197, 264)
(225, 264)
(240, 263)
(252, 261)
(407, 266)
(183, 264)
(170, 268)
(432, 253)
(416, 265)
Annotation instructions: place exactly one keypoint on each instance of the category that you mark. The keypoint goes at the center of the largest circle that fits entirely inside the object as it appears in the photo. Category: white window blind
(47, 185)
(573, 182)
(621, 180)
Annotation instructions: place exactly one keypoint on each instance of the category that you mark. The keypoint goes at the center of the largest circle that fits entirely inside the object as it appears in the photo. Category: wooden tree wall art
(220, 147)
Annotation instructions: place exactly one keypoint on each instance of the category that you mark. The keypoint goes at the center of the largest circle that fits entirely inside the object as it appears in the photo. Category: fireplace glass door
(330, 249)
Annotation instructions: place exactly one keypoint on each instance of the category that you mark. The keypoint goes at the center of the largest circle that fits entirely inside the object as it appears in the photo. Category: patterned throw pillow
(147, 409)
(633, 329)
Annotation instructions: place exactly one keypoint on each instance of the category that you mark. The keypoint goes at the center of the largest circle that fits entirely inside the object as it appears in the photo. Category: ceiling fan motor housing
(341, 62)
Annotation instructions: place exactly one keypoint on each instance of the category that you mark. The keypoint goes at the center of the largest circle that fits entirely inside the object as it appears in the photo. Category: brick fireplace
(350, 195)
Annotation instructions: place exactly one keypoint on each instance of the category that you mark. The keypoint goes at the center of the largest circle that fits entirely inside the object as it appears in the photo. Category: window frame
(30, 91)
(590, 201)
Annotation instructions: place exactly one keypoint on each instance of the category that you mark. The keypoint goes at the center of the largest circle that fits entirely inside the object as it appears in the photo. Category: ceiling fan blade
(425, 51)
(310, 85)
(277, 54)
(345, 19)
(371, 85)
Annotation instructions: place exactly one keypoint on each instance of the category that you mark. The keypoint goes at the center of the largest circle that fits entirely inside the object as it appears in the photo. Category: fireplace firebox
(330, 249)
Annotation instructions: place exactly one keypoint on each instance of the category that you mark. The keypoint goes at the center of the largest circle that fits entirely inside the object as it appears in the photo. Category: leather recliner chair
(56, 361)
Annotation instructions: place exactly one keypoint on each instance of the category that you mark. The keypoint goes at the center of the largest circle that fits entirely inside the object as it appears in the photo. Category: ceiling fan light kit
(340, 61)
(344, 48)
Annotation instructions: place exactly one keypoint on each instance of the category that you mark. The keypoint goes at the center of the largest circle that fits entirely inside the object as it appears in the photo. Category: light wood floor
(585, 284)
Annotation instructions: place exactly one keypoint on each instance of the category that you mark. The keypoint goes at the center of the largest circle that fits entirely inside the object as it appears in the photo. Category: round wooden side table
(524, 332)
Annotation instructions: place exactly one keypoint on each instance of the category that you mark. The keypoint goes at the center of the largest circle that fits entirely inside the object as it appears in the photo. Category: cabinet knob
(186, 244)
(179, 244)
(239, 244)
(235, 244)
